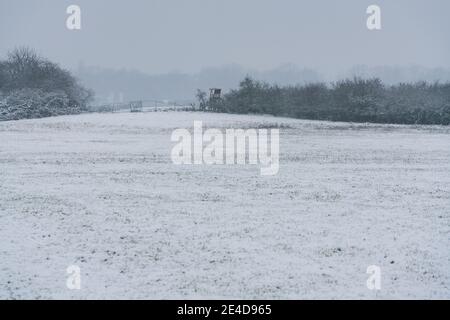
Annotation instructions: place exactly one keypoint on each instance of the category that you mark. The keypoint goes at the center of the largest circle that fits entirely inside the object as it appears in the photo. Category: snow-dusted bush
(353, 100)
(35, 103)
(33, 87)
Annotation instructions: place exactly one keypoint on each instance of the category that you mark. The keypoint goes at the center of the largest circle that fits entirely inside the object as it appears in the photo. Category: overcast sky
(158, 36)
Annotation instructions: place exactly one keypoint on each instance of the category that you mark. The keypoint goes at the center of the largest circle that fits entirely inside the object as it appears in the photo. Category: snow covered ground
(100, 191)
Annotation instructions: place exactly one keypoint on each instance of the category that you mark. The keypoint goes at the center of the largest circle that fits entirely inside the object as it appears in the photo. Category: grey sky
(158, 36)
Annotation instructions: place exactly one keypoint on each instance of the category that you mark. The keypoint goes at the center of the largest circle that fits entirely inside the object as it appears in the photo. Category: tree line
(34, 87)
(350, 100)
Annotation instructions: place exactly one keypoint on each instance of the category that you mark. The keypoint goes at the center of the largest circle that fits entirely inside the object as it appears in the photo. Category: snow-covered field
(100, 191)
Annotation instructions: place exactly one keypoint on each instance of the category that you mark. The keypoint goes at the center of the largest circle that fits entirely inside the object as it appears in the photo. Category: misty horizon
(113, 85)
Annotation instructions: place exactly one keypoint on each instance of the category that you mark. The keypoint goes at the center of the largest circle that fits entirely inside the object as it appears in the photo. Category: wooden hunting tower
(215, 94)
